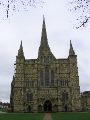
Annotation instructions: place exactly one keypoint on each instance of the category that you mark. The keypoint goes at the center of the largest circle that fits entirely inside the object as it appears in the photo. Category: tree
(8, 7)
(81, 9)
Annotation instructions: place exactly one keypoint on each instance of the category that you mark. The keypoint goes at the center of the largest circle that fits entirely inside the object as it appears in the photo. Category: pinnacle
(44, 48)
(20, 51)
(71, 51)
(44, 41)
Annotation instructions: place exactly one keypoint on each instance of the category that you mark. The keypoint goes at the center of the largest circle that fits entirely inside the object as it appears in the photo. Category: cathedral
(45, 84)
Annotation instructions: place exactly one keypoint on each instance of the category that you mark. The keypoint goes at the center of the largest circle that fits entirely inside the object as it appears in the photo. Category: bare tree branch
(9, 7)
(81, 9)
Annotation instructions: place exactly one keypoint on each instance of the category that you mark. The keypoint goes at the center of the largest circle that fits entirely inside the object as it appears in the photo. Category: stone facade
(85, 101)
(46, 83)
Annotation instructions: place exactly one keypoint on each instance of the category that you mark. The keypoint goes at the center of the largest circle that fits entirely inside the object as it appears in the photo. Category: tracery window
(29, 83)
(46, 76)
(64, 96)
(52, 77)
(41, 78)
(29, 97)
(63, 82)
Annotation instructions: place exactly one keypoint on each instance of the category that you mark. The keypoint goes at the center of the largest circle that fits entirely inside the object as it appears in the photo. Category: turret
(74, 79)
(20, 51)
(19, 65)
(20, 57)
(72, 60)
(71, 51)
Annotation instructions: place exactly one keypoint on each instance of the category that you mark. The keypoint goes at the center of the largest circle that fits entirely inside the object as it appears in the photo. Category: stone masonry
(45, 84)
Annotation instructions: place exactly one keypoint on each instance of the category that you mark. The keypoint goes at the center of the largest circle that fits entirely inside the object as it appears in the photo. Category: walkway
(47, 116)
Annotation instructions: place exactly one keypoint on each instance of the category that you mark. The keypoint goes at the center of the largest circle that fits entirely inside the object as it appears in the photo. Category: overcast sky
(26, 26)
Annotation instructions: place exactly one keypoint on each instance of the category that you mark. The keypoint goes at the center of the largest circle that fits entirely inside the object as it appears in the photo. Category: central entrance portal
(29, 109)
(47, 106)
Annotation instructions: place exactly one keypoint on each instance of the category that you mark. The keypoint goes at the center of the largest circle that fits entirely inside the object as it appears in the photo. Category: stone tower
(45, 84)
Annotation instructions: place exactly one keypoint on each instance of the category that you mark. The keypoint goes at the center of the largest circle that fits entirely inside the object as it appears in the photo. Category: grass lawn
(71, 116)
(21, 116)
(39, 116)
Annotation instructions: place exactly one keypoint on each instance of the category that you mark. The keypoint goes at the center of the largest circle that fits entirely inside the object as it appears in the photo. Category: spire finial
(44, 26)
(20, 51)
(21, 42)
(21, 45)
(71, 51)
(70, 42)
(44, 41)
(43, 18)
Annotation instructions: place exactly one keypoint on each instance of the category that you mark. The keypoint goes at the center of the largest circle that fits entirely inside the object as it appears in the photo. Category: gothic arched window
(29, 97)
(39, 108)
(46, 76)
(41, 77)
(64, 96)
(52, 77)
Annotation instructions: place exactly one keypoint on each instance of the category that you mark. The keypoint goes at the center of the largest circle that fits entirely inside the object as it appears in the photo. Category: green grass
(21, 116)
(71, 116)
(39, 116)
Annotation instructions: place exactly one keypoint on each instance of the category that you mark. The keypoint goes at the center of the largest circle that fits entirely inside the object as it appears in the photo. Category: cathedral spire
(44, 49)
(20, 51)
(44, 41)
(71, 51)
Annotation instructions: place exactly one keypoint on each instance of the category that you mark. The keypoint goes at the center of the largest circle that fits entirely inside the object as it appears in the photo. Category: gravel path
(47, 116)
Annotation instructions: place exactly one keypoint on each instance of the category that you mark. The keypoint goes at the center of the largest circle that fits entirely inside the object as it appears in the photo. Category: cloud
(5, 92)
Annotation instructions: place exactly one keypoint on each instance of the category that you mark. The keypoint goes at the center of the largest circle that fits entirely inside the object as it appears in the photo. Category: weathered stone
(85, 101)
(46, 83)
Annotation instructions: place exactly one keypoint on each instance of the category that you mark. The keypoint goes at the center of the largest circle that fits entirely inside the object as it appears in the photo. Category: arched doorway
(40, 108)
(47, 106)
(29, 108)
(66, 108)
(55, 107)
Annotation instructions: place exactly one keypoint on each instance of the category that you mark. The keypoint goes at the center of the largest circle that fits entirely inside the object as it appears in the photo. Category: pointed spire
(71, 51)
(20, 51)
(44, 49)
(44, 41)
(43, 19)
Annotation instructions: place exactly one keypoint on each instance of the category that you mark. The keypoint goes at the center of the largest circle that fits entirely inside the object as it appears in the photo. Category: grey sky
(26, 26)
